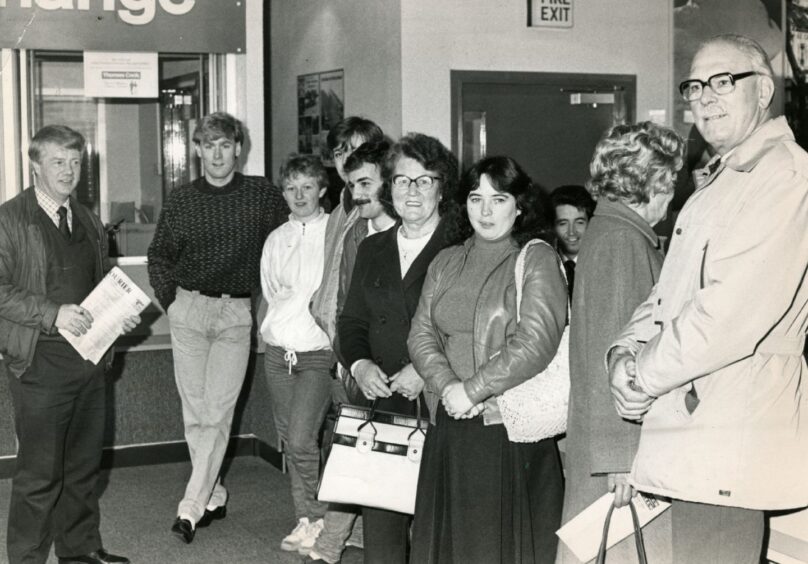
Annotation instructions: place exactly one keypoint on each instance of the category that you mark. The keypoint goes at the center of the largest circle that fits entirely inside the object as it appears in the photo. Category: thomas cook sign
(189, 26)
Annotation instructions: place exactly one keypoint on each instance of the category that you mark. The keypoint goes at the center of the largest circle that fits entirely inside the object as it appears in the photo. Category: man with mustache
(363, 175)
(712, 360)
(345, 137)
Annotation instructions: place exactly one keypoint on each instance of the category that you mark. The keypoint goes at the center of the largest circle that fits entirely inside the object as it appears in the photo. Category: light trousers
(210, 338)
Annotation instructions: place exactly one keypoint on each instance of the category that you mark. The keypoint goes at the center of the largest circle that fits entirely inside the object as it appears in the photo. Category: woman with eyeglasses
(481, 498)
(420, 177)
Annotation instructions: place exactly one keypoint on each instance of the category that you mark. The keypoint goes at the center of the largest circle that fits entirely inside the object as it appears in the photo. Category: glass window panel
(138, 150)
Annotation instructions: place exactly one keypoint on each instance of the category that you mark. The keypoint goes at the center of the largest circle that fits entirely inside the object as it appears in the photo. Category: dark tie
(569, 268)
(63, 227)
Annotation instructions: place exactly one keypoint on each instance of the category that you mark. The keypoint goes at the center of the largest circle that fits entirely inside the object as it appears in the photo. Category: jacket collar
(31, 206)
(748, 154)
(624, 214)
(321, 217)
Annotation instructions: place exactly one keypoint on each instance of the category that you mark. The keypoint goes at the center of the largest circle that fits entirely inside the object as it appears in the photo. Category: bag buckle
(365, 438)
(415, 445)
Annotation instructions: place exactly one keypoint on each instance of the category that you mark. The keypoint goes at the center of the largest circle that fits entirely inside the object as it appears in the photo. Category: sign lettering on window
(130, 25)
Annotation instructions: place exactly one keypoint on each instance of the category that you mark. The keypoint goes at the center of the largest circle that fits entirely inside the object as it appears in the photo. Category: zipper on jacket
(478, 306)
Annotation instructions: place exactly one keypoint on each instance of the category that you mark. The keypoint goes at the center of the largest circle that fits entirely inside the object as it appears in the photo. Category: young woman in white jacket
(298, 355)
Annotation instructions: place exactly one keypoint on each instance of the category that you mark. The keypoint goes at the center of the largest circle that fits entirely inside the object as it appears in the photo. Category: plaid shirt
(51, 207)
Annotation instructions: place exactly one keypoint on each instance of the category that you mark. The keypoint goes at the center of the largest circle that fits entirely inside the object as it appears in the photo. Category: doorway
(548, 122)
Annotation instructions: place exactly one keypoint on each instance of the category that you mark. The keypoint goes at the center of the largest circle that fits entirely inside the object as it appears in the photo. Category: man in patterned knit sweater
(204, 267)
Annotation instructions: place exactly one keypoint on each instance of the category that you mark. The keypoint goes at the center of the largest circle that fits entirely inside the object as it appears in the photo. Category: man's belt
(223, 294)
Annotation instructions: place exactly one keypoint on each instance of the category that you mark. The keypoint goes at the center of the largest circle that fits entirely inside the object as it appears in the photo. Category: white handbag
(537, 408)
(375, 459)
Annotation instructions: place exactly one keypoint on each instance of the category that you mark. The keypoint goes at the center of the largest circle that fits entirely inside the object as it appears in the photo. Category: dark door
(549, 123)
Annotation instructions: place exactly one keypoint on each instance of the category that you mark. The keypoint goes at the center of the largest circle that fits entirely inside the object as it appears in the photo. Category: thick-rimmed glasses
(721, 83)
(423, 182)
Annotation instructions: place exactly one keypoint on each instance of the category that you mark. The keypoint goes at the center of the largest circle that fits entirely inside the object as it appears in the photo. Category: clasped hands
(76, 320)
(374, 383)
(457, 403)
(629, 399)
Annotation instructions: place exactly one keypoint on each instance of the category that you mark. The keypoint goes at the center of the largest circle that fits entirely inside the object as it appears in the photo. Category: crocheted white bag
(537, 408)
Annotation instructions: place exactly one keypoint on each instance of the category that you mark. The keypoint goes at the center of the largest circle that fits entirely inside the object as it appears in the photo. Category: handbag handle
(418, 423)
(417, 418)
(519, 273)
(371, 415)
(638, 540)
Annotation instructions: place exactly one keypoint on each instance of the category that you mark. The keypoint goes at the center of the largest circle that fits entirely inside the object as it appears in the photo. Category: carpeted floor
(138, 506)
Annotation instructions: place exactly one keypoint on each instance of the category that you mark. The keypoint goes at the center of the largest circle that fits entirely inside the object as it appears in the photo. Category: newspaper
(114, 299)
(583, 533)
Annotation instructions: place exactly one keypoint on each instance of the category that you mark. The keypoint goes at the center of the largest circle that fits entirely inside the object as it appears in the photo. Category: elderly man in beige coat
(712, 360)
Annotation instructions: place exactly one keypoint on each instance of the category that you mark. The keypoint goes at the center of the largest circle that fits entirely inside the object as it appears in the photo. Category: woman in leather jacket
(482, 498)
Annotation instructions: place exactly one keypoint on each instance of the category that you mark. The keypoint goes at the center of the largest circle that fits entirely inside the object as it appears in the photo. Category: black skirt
(483, 499)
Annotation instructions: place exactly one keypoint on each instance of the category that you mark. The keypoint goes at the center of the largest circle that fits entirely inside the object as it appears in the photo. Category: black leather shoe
(100, 556)
(212, 515)
(183, 530)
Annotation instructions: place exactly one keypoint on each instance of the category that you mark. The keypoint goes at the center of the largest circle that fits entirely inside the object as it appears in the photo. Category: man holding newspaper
(712, 360)
(53, 252)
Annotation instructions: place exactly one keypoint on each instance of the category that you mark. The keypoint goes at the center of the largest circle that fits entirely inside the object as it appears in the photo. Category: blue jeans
(300, 396)
(210, 338)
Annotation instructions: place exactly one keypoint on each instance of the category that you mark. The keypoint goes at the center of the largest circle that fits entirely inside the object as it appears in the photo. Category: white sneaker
(291, 542)
(312, 532)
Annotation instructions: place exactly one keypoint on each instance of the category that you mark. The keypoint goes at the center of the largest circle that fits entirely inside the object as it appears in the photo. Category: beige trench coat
(728, 318)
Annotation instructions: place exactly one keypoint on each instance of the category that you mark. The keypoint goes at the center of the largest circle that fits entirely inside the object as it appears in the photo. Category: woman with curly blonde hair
(633, 172)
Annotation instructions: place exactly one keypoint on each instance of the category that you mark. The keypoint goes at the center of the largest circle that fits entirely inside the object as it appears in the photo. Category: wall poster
(320, 105)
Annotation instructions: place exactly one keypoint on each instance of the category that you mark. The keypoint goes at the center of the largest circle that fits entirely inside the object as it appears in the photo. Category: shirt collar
(51, 206)
(44, 200)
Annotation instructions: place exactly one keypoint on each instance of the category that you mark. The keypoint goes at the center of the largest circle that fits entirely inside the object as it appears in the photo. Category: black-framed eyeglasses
(423, 182)
(721, 83)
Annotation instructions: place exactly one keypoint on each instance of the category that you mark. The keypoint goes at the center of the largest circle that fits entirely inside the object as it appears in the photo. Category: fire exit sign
(549, 13)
